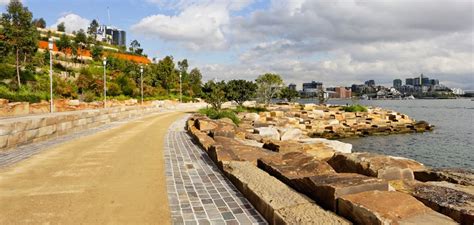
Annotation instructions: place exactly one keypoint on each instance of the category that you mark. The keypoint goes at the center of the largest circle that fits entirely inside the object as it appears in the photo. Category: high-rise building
(292, 87)
(410, 81)
(111, 35)
(370, 83)
(397, 83)
(417, 81)
(434, 82)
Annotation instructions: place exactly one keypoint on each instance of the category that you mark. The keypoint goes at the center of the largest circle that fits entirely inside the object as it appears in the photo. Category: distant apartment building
(434, 82)
(397, 83)
(410, 81)
(112, 35)
(311, 89)
(370, 83)
(292, 87)
(342, 92)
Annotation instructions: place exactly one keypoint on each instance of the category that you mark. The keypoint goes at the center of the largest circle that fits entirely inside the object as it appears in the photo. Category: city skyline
(337, 43)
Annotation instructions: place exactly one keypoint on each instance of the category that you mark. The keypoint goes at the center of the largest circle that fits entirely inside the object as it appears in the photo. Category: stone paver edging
(197, 191)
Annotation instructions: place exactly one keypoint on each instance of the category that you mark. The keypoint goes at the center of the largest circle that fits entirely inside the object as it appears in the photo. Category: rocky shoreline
(281, 161)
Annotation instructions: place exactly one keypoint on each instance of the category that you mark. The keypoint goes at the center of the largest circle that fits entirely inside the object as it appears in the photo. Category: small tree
(135, 47)
(269, 85)
(240, 90)
(64, 43)
(81, 38)
(289, 94)
(96, 52)
(92, 29)
(61, 27)
(214, 93)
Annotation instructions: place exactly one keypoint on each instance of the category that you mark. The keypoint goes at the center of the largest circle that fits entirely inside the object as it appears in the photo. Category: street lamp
(141, 83)
(105, 83)
(51, 48)
(180, 89)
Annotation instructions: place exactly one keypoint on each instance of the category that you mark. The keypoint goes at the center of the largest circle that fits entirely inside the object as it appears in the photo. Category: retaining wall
(24, 130)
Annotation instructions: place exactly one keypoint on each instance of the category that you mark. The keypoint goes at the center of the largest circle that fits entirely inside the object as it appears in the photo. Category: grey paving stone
(196, 185)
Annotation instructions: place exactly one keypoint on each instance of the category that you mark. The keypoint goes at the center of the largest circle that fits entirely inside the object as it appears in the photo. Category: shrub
(355, 108)
(88, 96)
(23, 95)
(219, 114)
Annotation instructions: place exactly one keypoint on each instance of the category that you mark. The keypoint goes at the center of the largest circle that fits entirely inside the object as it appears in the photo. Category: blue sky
(338, 42)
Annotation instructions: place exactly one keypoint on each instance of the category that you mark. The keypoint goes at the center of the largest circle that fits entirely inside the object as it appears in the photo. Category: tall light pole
(105, 83)
(141, 83)
(51, 48)
(180, 89)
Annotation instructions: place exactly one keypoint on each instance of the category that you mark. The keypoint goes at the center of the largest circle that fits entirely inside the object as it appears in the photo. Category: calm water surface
(451, 144)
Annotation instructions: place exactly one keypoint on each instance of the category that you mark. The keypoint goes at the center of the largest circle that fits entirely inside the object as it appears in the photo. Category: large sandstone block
(223, 129)
(293, 165)
(291, 134)
(451, 201)
(375, 165)
(277, 203)
(268, 132)
(336, 145)
(240, 151)
(388, 207)
(457, 176)
(204, 124)
(326, 188)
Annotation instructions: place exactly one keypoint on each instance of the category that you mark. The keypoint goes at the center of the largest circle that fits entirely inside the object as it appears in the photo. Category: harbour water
(451, 144)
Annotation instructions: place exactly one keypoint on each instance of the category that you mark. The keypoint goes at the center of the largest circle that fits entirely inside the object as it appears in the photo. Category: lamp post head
(50, 44)
(105, 61)
(141, 69)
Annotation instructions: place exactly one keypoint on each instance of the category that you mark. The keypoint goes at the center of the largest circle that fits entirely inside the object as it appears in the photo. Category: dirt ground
(112, 177)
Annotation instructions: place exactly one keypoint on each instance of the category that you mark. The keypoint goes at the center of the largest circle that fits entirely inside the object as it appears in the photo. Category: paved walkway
(197, 191)
(12, 156)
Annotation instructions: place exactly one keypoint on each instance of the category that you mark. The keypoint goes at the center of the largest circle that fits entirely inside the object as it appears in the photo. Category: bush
(24, 95)
(240, 109)
(355, 108)
(88, 96)
(219, 114)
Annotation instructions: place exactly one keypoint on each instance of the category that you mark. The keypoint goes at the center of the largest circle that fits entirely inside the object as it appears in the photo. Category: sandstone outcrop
(457, 176)
(387, 207)
(375, 165)
(277, 203)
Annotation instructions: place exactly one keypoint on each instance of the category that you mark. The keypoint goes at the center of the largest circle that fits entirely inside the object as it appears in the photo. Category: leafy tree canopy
(240, 90)
(289, 94)
(61, 27)
(269, 85)
(214, 93)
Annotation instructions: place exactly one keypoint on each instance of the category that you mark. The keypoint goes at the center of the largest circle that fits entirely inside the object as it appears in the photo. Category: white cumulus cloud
(73, 22)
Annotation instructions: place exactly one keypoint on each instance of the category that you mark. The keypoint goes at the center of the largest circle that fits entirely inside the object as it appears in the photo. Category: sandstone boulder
(326, 188)
(277, 203)
(336, 145)
(223, 129)
(205, 125)
(289, 166)
(456, 176)
(242, 152)
(268, 132)
(387, 207)
(252, 117)
(451, 201)
(291, 134)
(375, 165)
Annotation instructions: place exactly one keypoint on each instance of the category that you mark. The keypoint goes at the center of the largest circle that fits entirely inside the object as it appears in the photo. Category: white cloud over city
(337, 42)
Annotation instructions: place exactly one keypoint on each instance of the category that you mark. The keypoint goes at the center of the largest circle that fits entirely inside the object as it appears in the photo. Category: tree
(61, 27)
(96, 52)
(135, 47)
(40, 23)
(289, 94)
(166, 74)
(195, 81)
(63, 43)
(20, 34)
(81, 37)
(269, 85)
(240, 90)
(92, 29)
(214, 93)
